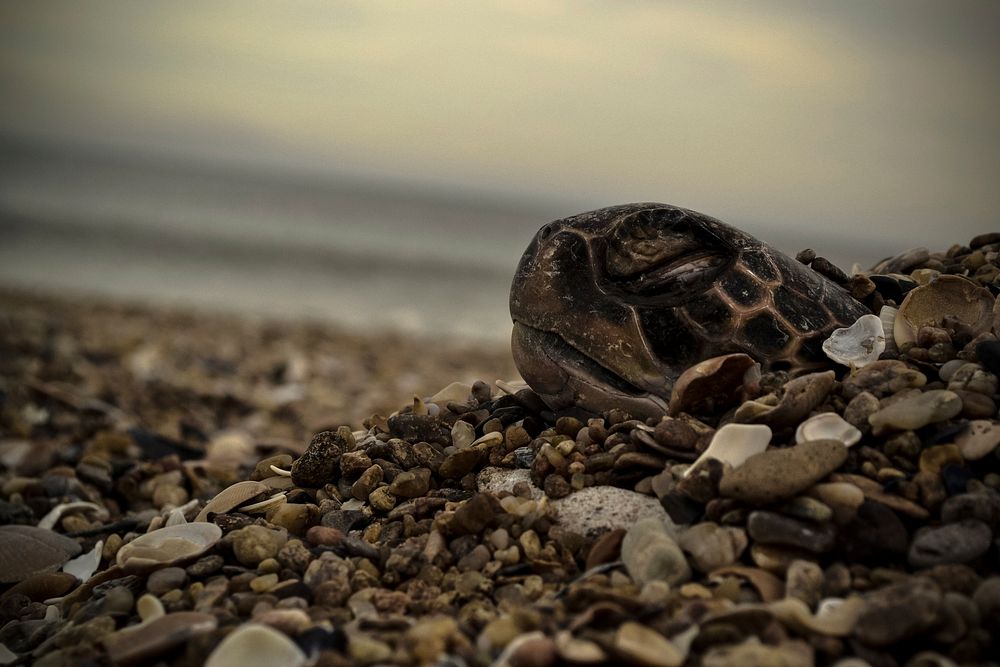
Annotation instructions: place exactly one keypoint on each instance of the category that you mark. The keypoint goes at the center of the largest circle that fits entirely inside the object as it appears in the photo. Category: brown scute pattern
(760, 266)
(742, 288)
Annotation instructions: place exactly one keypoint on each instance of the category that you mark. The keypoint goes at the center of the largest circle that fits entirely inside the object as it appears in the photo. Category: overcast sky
(877, 116)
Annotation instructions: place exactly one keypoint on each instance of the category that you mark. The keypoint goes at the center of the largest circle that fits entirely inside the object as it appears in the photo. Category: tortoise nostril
(545, 232)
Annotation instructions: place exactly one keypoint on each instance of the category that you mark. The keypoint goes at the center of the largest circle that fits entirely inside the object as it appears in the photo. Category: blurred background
(383, 164)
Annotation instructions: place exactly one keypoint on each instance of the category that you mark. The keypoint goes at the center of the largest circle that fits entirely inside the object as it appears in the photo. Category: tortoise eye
(658, 255)
(645, 239)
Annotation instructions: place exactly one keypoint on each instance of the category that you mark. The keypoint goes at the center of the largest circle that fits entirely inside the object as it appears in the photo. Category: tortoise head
(593, 303)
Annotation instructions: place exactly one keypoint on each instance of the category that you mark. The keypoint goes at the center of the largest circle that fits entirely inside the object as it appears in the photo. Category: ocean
(354, 251)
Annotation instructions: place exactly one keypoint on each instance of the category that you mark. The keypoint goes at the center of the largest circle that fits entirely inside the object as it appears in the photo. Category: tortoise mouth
(565, 377)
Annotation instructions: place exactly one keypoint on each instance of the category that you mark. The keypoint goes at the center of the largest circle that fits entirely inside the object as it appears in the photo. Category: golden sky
(870, 115)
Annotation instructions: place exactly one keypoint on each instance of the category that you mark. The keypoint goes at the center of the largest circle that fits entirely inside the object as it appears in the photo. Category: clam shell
(710, 385)
(27, 550)
(948, 295)
(167, 546)
(857, 345)
(888, 316)
(827, 426)
(232, 497)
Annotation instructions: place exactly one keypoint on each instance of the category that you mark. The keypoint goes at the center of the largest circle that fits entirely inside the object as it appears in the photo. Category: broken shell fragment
(955, 296)
(827, 426)
(857, 345)
(232, 497)
(888, 316)
(49, 521)
(255, 645)
(27, 550)
(168, 546)
(834, 617)
(734, 444)
(710, 385)
(83, 567)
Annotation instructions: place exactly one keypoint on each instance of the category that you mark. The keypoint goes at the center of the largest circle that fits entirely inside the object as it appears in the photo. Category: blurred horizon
(384, 164)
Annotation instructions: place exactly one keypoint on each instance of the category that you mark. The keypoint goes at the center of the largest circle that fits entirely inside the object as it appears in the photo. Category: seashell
(888, 316)
(255, 645)
(734, 444)
(827, 426)
(167, 546)
(857, 345)
(797, 400)
(49, 521)
(834, 617)
(266, 504)
(28, 550)
(456, 392)
(232, 497)
(83, 567)
(141, 644)
(710, 385)
(948, 295)
(768, 586)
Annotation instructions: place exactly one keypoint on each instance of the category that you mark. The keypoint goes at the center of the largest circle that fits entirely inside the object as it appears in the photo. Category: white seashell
(456, 392)
(176, 517)
(255, 645)
(827, 426)
(734, 444)
(857, 345)
(266, 504)
(49, 521)
(85, 565)
(167, 546)
(834, 617)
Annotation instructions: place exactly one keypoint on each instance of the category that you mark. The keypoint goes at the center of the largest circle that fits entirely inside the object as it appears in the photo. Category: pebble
(640, 645)
(780, 474)
(598, 509)
(27, 550)
(960, 542)
(528, 540)
(927, 407)
(772, 528)
(253, 544)
(650, 553)
(320, 462)
(411, 484)
(899, 611)
(166, 579)
(980, 439)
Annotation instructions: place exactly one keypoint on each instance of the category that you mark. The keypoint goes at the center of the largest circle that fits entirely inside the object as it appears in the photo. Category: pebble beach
(186, 488)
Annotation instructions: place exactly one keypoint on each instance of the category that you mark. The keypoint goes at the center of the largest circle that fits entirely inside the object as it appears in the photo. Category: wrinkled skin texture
(611, 306)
